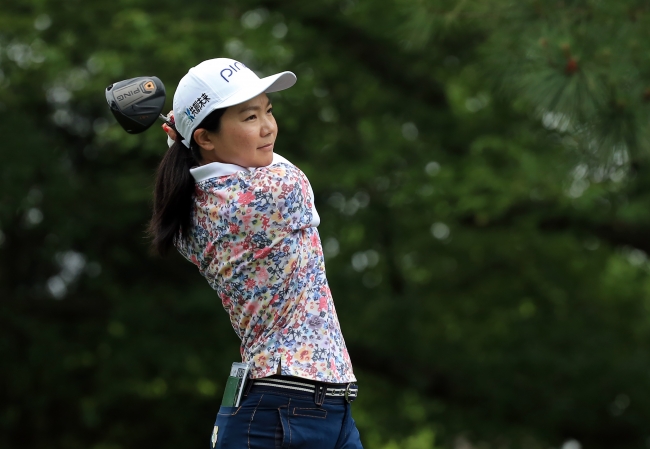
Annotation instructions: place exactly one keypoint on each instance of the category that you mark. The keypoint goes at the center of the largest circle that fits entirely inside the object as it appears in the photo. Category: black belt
(320, 390)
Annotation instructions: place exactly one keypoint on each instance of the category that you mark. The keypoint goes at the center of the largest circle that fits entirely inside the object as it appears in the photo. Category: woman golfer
(245, 217)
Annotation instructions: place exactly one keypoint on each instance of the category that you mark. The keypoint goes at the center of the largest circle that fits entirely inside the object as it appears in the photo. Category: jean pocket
(227, 430)
(311, 426)
(311, 412)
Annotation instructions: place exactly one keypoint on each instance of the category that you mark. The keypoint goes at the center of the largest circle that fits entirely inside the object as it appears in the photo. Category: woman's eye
(251, 117)
(270, 111)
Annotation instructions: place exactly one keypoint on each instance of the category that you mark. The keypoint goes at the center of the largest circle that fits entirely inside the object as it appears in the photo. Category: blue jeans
(272, 419)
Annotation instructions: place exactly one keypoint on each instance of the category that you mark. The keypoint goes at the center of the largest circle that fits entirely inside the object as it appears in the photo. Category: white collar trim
(218, 169)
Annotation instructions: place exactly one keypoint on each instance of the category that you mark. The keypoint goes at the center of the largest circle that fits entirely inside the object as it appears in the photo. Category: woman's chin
(266, 159)
(261, 161)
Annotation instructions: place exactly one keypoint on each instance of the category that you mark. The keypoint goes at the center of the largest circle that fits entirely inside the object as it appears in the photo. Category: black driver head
(136, 103)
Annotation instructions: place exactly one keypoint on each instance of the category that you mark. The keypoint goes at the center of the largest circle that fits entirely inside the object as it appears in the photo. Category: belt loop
(247, 386)
(319, 396)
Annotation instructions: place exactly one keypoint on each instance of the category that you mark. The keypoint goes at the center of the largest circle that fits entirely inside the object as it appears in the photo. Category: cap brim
(273, 83)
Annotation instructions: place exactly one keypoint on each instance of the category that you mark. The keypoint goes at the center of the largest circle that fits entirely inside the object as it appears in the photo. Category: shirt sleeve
(284, 193)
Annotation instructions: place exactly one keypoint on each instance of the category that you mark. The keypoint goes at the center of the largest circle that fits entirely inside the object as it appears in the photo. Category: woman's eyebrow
(254, 108)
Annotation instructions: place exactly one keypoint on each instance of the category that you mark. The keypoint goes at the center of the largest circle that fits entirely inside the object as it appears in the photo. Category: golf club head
(136, 103)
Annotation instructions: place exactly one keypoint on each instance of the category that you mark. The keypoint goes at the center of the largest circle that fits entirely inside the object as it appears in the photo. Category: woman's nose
(268, 126)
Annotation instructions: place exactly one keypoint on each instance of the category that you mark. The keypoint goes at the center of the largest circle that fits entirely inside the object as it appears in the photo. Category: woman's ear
(202, 139)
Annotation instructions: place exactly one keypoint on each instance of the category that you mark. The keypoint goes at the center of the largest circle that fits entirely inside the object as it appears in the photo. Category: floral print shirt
(254, 239)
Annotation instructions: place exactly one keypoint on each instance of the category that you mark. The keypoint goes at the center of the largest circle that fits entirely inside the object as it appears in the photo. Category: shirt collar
(218, 169)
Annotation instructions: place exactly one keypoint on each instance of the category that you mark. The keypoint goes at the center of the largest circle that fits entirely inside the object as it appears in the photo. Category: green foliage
(480, 168)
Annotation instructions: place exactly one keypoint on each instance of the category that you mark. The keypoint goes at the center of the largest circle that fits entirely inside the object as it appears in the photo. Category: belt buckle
(346, 395)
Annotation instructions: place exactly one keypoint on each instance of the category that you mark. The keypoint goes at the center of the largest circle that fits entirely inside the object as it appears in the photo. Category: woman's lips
(268, 146)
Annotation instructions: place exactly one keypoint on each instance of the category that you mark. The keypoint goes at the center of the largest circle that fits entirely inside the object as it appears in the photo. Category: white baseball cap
(219, 83)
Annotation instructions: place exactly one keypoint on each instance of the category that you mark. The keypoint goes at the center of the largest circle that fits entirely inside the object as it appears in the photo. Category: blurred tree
(481, 172)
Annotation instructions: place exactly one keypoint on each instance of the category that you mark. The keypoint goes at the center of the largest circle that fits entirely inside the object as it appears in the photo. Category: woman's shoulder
(228, 174)
(281, 169)
(277, 159)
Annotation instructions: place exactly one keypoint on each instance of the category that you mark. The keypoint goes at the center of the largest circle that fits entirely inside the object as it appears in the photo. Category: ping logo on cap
(231, 68)
(197, 106)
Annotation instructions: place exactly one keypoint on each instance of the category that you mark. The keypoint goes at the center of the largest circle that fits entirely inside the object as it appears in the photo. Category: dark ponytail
(174, 188)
